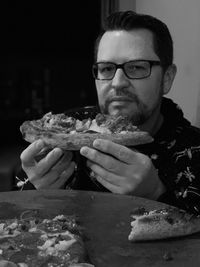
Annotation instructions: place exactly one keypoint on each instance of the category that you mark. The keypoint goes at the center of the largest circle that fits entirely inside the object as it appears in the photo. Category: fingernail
(84, 151)
(96, 143)
(39, 144)
(57, 151)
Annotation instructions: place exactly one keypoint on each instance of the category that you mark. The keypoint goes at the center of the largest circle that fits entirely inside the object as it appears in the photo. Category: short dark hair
(130, 20)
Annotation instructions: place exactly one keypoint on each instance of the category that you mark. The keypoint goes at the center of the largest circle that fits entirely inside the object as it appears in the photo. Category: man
(133, 70)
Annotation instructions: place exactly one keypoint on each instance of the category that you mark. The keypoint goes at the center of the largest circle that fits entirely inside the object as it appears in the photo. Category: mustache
(122, 93)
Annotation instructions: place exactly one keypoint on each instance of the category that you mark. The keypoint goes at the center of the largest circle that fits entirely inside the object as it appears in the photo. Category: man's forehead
(134, 43)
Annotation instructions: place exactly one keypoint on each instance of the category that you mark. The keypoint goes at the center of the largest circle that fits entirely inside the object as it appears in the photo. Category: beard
(137, 111)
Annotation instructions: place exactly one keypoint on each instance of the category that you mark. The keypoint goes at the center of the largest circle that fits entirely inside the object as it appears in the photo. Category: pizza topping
(42, 242)
(1, 227)
(8, 230)
(82, 126)
(57, 243)
(115, 124)
(139, 211)
(58, 122)
(170, 220)
(98, 128)
(101, 124)
(24, 227)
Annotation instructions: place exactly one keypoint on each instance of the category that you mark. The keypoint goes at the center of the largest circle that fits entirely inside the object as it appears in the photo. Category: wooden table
(106, 221)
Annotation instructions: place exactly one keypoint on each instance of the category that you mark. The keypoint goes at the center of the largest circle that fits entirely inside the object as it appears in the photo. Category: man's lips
(120, 99)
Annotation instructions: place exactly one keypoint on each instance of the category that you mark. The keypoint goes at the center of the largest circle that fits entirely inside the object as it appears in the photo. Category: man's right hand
(50, 172)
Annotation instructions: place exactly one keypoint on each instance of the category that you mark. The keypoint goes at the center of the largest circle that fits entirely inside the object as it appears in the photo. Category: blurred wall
(183, 20)
(127, 4)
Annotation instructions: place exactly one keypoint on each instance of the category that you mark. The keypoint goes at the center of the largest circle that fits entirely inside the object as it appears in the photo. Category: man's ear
(168, 78)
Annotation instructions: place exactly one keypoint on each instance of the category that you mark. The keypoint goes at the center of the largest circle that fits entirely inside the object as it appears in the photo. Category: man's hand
(51, 171)
(122, 170)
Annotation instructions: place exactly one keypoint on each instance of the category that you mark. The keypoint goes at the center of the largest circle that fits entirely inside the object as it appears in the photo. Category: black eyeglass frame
(121, 66)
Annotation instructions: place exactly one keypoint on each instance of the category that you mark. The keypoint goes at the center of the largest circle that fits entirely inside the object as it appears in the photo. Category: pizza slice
(30, 242)
(69, 133)
(162, 224)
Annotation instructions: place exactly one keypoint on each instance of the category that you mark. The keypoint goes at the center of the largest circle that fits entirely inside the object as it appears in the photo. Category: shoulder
(188, 135)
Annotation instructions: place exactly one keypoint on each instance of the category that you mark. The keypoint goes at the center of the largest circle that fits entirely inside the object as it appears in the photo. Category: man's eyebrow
(128, 60)
(104, 61)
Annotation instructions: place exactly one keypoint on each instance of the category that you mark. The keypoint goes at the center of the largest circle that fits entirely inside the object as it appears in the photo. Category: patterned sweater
(175, 153)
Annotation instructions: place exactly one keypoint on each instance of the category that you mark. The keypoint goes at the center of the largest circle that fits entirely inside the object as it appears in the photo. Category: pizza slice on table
(69, 133)
(162, 224)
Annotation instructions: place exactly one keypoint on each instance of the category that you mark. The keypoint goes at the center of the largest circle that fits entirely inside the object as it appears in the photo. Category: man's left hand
(122, 170)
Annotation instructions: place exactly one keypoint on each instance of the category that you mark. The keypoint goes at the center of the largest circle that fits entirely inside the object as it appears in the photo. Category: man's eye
(106, 69)
(136, 67)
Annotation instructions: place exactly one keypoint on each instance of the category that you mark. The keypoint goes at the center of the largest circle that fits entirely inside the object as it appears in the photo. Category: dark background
(45, 59)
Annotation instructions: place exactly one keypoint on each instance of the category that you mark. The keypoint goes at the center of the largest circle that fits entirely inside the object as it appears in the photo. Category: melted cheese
(94, 127)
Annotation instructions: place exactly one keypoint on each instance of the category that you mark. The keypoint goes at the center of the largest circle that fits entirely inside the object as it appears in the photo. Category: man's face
(137, 98)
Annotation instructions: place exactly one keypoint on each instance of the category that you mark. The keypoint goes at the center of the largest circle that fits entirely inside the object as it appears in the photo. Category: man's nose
(119, 78)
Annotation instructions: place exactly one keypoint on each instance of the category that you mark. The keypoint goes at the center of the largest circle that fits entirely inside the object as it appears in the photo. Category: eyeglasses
(135, 69)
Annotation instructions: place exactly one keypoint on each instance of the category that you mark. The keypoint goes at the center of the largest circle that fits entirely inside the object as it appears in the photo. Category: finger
(109, 186)
(69, 171)
(62, 165)
(107, 162)
(28, 155)
(45, 164)
(52, 170)
(42, 153)
(55, 179)
(106, 175)
(64, 160)
(114, 183)
(95, 156)
(65, 175)
(120, 152)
